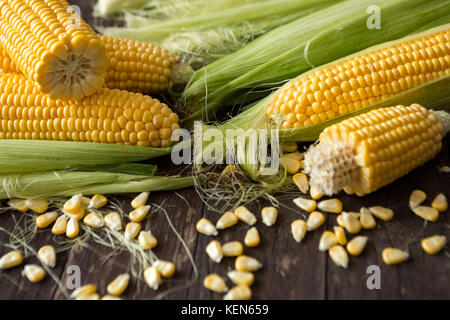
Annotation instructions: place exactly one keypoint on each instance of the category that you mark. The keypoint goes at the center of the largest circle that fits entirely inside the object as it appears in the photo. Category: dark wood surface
(291, 270)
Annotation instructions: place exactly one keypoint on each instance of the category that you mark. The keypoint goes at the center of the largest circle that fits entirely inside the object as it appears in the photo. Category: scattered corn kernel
(37, 205)
(330, 205)
(366, 219)
(349, 190)
(339, 256)
(94, 220)
(206, 227)
(132, 230)
(289, 146)
(227, 220)
(34, 273)
(440, 203)
(382, 213)
(85, 202)
(215, 283)
(165, 268)
(292, 166)
(241, 277)
(316, 195)
(246, 263)
(60, 225)
(152, 277)
(73, 228)
(340, 221)
(113, 221)
(416, 198)
(305, 204)
(110, 297)
(301, 181)
(427, 213)
(298, 229)
(315, 220)
(47, 256)
(394, 256)
(93, 296)
(295, 155)
(341, 238)
(77, 213)
(243, 214)
(214, 251)
(229, 169)
(269, 216)
(433, 244)
(351, 223)
(118, 286)
(357, 245)
(252, 238)
(147, 240)
(139, 214)
(44, 220)
(140, 200)
(327, 240)
(239, 292)
(98, 201)
(10, 260)
(86, 290)
(232, 249)
(18, 204)
(73, 204)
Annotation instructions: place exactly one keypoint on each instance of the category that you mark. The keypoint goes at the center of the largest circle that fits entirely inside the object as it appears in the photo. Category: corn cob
(53, 47)
(361, 81)
(371, 150)
(109, 116)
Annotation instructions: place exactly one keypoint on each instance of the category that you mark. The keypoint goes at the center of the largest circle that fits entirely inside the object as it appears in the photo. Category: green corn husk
(211, 29)
(34, 155)
(295, 48)
(68, 183)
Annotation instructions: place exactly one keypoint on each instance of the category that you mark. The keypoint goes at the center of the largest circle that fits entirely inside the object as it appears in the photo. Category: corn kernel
(292, 166)
(215, 283)
(132, 230)
(252, 238)
(18, 204)
(351, 223)
(295, 155)
(34, 273)
(340, 235)
(77, 213)
(298, 229)
(239, 292)
(246, 263)
(85, 202)
(315, 220)
(305, 204)
(94, 220)
(152, 277)
(330, 205)
(10, 260)
(140, 200)
(165, 268)
(440, 203)
(113, 221)
(382, 213)
(366, 219)
(327, 240)
(214, 251)
(288, 146)
(357, 245)
(206, 227)
(44, 220)
(73, 228)
(73, 204)
(110, 297)
(349, 190)
(241, 277)
(47, 256)
(427, 213)
(243, 214)
(37, 205)
(147, 240)
(60, 225)
(301, 181)
(86, 290)
(269, 216)
(394, 256)
(416, 198)
(228, 219)
(340, 221)
(433, 244)
(339, 256)
(232, 249)
(98, 201)
(118, 286)
(139, 214)
(316, 195)
(229, 170)
(93, 296)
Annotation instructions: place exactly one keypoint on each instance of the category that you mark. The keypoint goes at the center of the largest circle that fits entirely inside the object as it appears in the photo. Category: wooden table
(291, 270)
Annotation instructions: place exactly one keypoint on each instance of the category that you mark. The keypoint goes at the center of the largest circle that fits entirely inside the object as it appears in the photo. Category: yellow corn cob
(53, 47)
(109, 116)
(369, 151)
(133, 65)
(361, 81)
